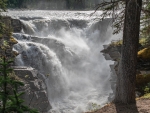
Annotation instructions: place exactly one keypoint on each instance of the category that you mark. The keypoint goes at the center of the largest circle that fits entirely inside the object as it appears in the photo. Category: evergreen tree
(126, 15)
(9, 95)
(145, 22)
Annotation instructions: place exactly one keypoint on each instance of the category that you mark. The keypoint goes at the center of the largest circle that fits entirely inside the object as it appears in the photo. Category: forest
(53, 4)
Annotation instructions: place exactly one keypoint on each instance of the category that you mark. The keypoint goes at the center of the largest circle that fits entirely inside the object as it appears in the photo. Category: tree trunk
(125, 90)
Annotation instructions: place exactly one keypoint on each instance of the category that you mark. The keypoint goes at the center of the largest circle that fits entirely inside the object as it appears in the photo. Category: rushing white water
(65, 46)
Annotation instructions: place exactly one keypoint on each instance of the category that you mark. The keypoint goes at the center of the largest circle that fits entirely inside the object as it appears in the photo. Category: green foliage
(144, 42)
(2, 8)
(2, 5)
(10, 98)
(147, 95)
(143, 83)
(144, 54)
(116, 43)
(145, 23)
(68, 4)
(142, 79)
(9, 95)
(146, 88)
(15, 3)
(114, 9)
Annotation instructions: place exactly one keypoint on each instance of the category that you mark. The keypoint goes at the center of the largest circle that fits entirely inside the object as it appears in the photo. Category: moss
(142, 80)
(144, 53)
(143, 41)
(12, 40)
(13, 76)
(143, 83)
(146, 95)
(116, 43)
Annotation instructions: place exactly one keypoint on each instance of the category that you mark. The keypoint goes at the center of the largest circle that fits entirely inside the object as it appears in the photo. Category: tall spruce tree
(126, 15)
(125, 92)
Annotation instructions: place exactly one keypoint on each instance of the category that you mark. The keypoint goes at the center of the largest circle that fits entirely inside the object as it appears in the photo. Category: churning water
(65, 46)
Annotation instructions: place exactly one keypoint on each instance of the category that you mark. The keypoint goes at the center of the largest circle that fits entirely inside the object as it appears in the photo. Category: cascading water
(65, 46)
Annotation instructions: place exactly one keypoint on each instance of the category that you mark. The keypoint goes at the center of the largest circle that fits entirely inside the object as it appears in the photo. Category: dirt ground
(142, 106)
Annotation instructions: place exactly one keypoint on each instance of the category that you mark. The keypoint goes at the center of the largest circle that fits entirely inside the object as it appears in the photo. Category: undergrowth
(10, 97)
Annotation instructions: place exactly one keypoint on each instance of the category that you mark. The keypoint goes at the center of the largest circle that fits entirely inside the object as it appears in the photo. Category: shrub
(144, 54)
(143, 83)
(142, 80)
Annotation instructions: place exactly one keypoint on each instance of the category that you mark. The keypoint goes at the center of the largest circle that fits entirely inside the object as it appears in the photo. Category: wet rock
(35, 89)
(14, 24)
(112, 53)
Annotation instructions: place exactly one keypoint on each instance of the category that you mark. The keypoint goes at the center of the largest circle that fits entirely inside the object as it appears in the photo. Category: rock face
(35, 89)
(112, 53)
(14, 24)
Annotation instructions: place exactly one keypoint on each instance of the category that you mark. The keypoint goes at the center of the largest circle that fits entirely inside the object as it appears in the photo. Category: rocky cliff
(35, 89)
(13, 24)
(112, 53)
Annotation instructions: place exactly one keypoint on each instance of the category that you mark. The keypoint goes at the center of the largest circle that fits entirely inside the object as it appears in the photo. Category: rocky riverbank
(142, 104)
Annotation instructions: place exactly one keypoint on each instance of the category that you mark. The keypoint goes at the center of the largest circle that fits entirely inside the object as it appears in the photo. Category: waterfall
(65, 47)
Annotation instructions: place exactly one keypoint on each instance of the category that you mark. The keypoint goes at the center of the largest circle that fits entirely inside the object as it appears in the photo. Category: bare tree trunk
(125, 91)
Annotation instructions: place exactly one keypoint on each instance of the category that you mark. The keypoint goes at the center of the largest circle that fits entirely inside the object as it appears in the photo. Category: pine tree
(126, 15)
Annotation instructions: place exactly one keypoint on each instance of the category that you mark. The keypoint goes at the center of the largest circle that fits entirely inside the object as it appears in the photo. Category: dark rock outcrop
(35, 89)
(14, 24)
(112, 53)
